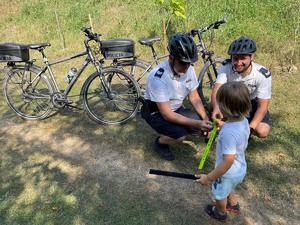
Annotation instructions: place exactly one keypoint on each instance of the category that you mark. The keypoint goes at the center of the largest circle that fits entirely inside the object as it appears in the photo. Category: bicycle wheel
(27, 94)
(117, 106)
(207, 78)
(139, 70)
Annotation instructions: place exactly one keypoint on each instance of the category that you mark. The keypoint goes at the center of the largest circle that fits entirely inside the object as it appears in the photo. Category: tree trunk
(165, 35)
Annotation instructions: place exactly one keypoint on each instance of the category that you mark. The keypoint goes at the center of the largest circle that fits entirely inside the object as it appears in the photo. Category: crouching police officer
(167, 86)
(258, 79)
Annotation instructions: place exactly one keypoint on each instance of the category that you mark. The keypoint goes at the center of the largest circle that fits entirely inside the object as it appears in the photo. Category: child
(230, 166)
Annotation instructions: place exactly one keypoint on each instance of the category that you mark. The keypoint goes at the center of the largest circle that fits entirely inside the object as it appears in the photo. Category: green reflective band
(208, 146)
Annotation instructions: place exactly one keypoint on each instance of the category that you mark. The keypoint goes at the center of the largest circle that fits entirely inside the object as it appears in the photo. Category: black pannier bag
(117, 48)
(13, 52)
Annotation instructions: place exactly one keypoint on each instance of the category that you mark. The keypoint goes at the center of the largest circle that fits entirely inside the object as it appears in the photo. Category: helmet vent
(182, 47)
(242, 46)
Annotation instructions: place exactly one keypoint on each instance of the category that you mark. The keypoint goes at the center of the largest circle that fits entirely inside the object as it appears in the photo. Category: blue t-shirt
(233, 139)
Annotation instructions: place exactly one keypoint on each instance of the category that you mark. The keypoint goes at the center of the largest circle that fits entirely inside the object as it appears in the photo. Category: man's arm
(263, 105)
(195, 100)
(166, 112)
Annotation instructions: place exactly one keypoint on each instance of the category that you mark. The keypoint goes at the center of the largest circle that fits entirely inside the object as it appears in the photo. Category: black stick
(173, 174)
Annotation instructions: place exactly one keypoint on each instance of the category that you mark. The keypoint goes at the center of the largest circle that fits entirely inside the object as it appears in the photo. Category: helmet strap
(172, 64)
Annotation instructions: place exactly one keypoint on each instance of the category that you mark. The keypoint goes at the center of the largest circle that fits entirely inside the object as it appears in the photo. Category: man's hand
(216, 114)
(203, 179)
(204, 125)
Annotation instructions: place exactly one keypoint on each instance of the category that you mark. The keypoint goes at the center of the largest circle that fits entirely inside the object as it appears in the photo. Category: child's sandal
(212, 211)
(233, 208)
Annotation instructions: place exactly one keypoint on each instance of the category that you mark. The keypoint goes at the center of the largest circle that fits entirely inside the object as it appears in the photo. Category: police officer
(167, 86)
(258, 79)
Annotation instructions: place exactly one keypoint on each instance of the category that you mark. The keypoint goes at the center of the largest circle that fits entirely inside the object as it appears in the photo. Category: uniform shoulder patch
(265, 72)
(226, 61)
(159, 72)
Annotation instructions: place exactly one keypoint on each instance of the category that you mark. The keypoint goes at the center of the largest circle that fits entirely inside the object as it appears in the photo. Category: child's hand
(203, 179)
(220, 123)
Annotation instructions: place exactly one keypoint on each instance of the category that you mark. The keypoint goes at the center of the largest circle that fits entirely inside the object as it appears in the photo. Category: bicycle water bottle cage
(13, 52)
(117, 48)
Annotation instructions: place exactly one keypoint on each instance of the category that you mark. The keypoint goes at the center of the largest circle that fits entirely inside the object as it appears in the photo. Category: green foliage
(176, 7)
(78, 172)
(273, 24)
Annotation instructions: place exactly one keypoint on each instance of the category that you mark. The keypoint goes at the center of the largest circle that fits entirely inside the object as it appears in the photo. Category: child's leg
(221, 205)
(232, 200)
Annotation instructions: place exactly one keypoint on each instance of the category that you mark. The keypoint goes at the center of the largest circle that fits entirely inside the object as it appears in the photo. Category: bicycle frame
(147, 66)
(151, 64)
(89, 59)
(135, 62)
(73, 81)
(199, 32)
(207, 55)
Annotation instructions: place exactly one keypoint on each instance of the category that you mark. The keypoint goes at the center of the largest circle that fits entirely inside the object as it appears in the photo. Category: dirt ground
(68, 170)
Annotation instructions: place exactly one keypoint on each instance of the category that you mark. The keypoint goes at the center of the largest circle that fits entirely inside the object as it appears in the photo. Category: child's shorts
(223, 186)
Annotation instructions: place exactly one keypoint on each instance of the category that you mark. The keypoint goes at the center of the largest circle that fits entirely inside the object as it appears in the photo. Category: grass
(68, 170)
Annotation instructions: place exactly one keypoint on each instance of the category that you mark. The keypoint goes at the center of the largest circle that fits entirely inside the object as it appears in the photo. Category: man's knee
(181, 139)
(262, 130)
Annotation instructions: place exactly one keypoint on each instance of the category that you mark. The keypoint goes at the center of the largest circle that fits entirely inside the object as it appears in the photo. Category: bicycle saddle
(149, 41)
(36, 46)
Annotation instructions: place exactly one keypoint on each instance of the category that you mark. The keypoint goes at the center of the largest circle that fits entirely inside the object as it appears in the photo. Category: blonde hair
(234, 100)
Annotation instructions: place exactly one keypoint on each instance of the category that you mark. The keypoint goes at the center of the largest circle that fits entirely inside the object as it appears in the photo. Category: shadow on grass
(273, 170)
(100, 177)
(69, 170)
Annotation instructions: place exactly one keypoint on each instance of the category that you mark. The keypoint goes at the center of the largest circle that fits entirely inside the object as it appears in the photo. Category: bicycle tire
(139, 70)
(207, 78)
(118, 108)
(31, 101)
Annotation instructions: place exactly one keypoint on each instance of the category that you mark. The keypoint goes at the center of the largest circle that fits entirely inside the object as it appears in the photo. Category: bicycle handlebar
(214, 25)
(92, 36)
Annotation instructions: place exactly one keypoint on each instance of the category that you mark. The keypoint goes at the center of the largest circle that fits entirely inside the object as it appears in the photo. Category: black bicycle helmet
(242, 46)
(182, 47)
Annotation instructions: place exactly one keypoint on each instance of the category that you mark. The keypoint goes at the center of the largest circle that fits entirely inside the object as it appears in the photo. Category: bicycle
(207, 75)
(109, 95)
(137, 67)
(209, 71)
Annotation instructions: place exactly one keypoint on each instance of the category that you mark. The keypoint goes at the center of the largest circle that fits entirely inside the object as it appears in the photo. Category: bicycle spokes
(113, 99)
(27, 97)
